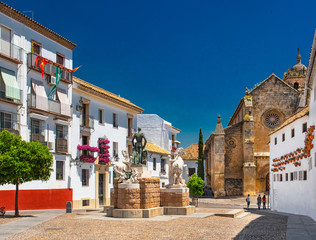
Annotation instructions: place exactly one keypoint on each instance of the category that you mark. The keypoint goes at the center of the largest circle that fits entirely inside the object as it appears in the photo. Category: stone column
(249, 166)
(218, 161)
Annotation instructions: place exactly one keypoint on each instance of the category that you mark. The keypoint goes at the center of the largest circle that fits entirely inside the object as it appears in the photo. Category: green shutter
(12, 89)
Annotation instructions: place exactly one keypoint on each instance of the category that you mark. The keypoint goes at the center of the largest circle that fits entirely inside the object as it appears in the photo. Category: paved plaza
(204, 224)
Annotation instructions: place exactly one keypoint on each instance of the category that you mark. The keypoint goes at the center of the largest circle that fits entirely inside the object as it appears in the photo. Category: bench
(2, 211)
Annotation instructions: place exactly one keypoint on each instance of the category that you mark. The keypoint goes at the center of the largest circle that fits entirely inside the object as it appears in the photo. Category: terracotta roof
(85, 86)
(191, 152)
(29, 22)
(155, 149)
(300, 114)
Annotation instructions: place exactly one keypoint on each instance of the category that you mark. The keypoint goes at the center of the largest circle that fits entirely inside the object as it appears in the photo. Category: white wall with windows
(16, 40)
(292, 190)
(158, 165)
(106, 120)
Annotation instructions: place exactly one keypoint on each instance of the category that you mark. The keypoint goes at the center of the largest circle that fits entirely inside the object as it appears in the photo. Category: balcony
(12, 127)
(38, 137)
(53, 105)
(61, 145)
(49, 68)
(9, 100)
(87, 122)
(10, 51)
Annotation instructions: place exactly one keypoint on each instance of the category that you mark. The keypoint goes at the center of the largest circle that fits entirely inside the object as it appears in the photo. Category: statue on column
(139, 151)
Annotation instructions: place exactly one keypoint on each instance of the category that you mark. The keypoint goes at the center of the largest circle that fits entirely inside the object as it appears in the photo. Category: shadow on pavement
(267, 226)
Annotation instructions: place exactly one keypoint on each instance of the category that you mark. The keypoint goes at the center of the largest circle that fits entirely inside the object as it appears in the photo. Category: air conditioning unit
(51, 80)
(50, 145)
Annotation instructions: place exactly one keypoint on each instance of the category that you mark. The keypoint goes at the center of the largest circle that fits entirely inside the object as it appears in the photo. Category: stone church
(237, 157)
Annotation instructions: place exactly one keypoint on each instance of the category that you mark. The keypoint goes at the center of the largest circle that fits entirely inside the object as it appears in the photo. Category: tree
(200, 170)
(196, 187)
(22, 161)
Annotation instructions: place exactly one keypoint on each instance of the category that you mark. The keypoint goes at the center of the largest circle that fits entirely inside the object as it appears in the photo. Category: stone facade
(171, 197)
(237, 157)
(144, 195)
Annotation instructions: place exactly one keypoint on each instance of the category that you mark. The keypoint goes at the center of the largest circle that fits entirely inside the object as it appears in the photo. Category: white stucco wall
(296, 196)
(190, 164)
(157, 173)
(104, 130)
(22, 36)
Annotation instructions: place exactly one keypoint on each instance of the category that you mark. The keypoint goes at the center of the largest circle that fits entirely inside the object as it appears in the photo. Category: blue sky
(186, 61)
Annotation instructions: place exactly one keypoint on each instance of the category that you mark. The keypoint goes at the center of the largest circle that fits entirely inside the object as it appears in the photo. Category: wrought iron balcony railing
(61, 145)
(49, 68)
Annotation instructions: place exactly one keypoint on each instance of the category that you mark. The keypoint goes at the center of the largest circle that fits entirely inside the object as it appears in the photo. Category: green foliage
(23, 161)
(196, 185)
(200, 170)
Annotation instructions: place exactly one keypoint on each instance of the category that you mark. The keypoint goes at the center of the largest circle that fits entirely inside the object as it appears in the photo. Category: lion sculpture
(176, 167)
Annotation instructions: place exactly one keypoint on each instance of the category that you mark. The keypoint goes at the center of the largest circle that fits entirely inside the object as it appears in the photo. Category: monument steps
(232, 213)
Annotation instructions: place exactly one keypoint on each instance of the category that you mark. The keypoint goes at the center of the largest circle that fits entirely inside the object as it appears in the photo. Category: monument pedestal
(174, 197)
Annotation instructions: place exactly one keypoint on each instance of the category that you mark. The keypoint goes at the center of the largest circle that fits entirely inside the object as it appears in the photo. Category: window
(115, 120)
(5, 121)
(154, 164)
(286, 177)
(281, 179)
(293, 133)
(36, 48)
(295, 175)
(60, 59)
(61, 138)
(274, 178)
(35, 126)
(84, 141)
(315, 94)
(296, 85)
(162, 167)
(101, 116)
(304, 175)
(275, 141)
(191, 171)
(85, 115)
(292, 176)
(283, 137)
(115, 149)
(85, 202)
(85, 177)
(304, 127)
(130, 127)
(59, 170)
(6, 41)
(300, 175)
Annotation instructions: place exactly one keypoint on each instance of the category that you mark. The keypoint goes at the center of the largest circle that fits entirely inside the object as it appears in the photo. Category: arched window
(296, 85)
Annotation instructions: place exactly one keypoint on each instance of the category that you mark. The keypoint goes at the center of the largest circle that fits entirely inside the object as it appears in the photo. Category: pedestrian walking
(264, 200)
(259, 201)
(248, 201)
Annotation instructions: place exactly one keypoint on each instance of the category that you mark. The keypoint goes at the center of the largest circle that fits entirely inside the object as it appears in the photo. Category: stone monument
(137, 195)
(175, 197)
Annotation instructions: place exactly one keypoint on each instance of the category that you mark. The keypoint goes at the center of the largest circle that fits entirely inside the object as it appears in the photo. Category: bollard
(68, 207)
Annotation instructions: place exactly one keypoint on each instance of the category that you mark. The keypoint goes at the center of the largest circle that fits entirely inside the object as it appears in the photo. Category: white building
(28, 109)
(98, 114)
(293, 171)
(161, 137)
(190, 158)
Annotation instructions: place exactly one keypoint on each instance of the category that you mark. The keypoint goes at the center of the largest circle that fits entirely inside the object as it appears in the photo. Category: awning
(64, 102)
(12, 89)
(41, 101)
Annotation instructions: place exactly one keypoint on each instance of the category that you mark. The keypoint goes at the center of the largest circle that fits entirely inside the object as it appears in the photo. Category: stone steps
(244, 214)
(232, 213)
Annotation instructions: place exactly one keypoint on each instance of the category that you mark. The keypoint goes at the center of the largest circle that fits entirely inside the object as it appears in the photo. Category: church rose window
(272, 120)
